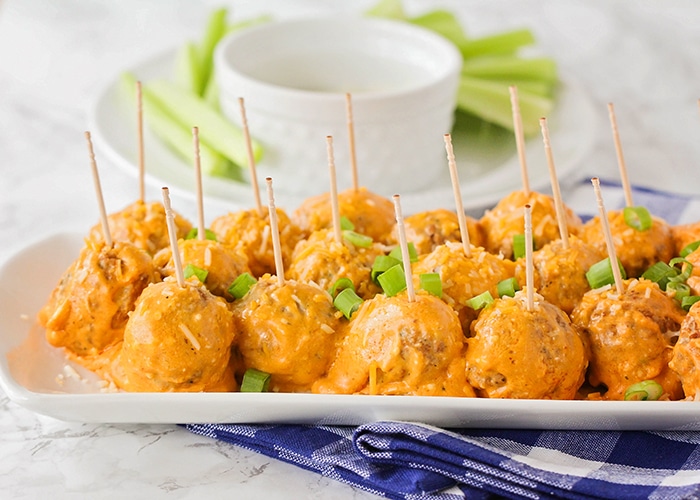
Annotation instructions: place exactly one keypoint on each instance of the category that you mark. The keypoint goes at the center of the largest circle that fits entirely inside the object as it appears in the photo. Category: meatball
(629, 336)
(288, 331)
(88, 310)
(506, 220)
(222, 263)
(394, 346)
(684, 235)
(637, 250)
(525, 354)
(559, 273)
(324, 261)
(464, 277)
(143, 225)
(428, 230)
(178, 339)
(371, 214)
(248, 232)
(685, 361)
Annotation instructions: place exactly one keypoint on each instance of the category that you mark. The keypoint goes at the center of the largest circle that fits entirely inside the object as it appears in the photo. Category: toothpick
(251, 157)
(461, 217)
(141, 154)
(274, 229)
(172, 234)
(519, 137)
(201, 230)
(335, 206)
(558, 204)
(98, 192)
(620, 157)
(529, 266)
(612, 254)
(351, 139)
(405, 257)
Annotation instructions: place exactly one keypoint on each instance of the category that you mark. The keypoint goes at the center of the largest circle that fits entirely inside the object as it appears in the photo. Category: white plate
(30, 369)
(487, 172)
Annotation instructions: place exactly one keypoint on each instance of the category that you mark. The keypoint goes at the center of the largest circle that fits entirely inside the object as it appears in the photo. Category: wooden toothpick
(251, 157)
(519, 138)
(139, 132)
(556, 192)
(405, 256)
(201, 230)
(461, 217)
(172, 234)
(620, 157)
(612, 254)
(529, 266)
(351, 140)
(98, 191)
(275, 233)
(335, 206)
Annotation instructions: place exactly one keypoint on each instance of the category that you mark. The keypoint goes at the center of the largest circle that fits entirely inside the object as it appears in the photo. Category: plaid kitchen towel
(406, 460)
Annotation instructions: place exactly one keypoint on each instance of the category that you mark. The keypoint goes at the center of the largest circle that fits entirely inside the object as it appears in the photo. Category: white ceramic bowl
(293, 76)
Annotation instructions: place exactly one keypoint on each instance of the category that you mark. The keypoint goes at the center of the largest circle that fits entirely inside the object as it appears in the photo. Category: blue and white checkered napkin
(415, 461)
(410, 461)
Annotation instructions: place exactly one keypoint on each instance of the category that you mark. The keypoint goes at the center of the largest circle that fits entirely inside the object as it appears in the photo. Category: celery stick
(501, 43)
(178, 137)
(188, 68)
(443, 23)
(214, 130)
(390, 9)
(215, 30)
(248, 23)
(511, 68)
(491, 101)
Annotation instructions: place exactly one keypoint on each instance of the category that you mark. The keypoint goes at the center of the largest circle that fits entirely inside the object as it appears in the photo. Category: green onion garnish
(208, 234)
(480, 301)
(431, 283)
(357, 239)
(255, 381)
(660, 273)
(680, 290)
(687, 302)
(341, 285)
(381, 264)
(412, 253)
(686, 269)
(393, 280)
(690, 248)
(637, 218)
(192, 270)
(346, 224)
(601, 274)
(347, 302)
(518, 246)
(648, 390)
(241, 285)
(508, 287)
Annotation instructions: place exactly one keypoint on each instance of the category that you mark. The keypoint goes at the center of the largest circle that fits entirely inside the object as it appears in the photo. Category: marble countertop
(641, 55)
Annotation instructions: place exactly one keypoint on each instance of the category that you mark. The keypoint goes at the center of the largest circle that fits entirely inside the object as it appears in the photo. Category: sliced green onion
(357, 239)
(480, 301)
(660, 273)
(208, 234)
(412, 253)
(637, 218)
(519, 246)
(687, 302)
(346, 224)
(192, 270)
(341, 285)
(393, 280)
(686, 269)
(255, 381)
(431, 283)
(680, 290)
(347, 302)
(601, 274)
(381, 264)
(508, 287)
(648, 390)
(241, 285)
(690, 248)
